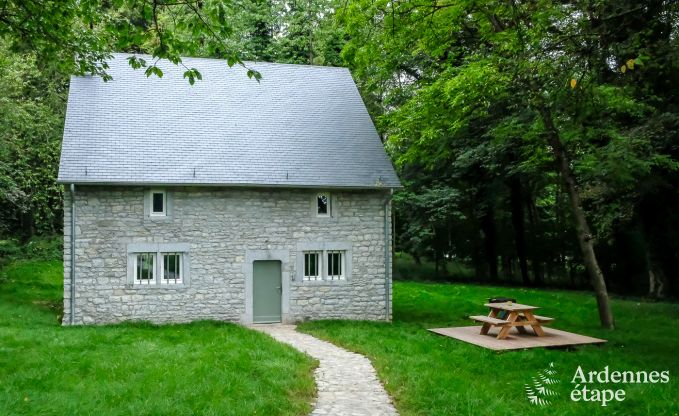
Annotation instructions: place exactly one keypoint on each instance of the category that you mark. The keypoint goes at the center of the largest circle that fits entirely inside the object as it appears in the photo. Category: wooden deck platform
(515, 341)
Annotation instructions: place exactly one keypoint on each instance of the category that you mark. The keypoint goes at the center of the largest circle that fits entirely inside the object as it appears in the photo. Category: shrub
(44, 248)
(9, 249)
(37, 248)
(405, 268)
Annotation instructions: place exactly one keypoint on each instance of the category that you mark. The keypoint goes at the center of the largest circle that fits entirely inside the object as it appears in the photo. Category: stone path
(347, 383)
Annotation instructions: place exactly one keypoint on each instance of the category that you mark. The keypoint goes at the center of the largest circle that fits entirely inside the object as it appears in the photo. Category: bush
(9, 249)
(37, 248)
(45, 248)
(405, 268)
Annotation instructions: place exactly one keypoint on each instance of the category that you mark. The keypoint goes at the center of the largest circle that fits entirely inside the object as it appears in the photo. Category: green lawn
(204, 368)
(210, 368)
(428, 374)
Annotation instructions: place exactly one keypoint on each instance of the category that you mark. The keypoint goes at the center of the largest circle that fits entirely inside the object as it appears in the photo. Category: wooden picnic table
(508, 315)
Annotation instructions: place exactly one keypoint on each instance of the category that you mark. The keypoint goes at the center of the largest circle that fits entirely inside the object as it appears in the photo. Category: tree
(31, 120)
(542, 77)
(77, 36)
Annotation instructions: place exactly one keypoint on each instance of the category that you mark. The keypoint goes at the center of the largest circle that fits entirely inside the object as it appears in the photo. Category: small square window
(312, 267)
(144, 268)
(323, 205)
(335, 265)
(158, 203)
(171, 271)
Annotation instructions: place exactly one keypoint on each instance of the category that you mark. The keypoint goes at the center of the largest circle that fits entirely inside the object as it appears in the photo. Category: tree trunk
(506, 262)
(536, 256)
(479, 270)
(585, 237)
(656, 281)
(518, 225)
(490, 242)
(571, 273)
(27, 223)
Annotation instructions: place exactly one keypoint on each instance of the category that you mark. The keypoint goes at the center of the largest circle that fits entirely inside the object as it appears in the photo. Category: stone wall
(226, 229)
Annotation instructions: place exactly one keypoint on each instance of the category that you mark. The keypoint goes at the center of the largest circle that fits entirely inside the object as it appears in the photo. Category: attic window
(323, 205)
(158, 203)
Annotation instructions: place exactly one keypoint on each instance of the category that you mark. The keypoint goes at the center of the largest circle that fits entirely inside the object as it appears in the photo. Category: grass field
(428, 374)
(205, 368)
(210, 368)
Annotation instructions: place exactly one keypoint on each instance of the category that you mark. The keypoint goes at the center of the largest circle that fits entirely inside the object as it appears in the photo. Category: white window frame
(151, 211)
(319, 265)
(328, 213)
(179, 266)
(323, 248)
(137, 278)
(342, 262)
(158, 251)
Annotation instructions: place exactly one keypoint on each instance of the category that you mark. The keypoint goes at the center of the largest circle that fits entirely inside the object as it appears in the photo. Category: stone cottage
(230, 199)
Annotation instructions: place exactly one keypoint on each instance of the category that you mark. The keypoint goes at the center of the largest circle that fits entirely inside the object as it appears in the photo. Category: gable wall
(226, 229)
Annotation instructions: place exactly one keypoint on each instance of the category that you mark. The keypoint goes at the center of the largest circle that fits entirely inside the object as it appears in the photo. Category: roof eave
(230, 185)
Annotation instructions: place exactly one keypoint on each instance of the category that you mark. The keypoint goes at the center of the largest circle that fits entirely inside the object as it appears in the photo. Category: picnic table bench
(507, 315)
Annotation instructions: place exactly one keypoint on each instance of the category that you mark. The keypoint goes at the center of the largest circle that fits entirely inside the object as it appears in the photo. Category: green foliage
(463, 90)
(9, 249)
(31, 121)
(298, 32)
(137, 367)
(35, 66)
(49, 248)
(406, 268)
(427, 373)
(458, 90)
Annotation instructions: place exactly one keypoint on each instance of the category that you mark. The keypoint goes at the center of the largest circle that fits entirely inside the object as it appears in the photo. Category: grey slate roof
(300, 126)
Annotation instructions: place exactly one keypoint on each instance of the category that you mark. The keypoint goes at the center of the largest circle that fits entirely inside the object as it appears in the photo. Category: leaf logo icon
(538, 391)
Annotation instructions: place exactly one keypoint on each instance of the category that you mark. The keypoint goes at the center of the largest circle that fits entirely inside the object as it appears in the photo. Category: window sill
(157, 287)
(158, 218)
(336, 282)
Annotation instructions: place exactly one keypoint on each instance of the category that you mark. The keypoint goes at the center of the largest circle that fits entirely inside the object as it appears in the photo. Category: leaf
(630, 63)
(192, 74)
(623, 69)
(254, 74)
(574, 83)
(153, 70)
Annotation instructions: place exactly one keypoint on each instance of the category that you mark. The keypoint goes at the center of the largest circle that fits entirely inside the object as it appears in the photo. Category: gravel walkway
(347, 382)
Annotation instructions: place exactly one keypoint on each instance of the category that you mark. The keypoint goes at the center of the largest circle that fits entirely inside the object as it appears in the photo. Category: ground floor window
(324, 265)
(312, 267)
(144, 268)
(158, 264)
(171, 268)
(335, 265)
